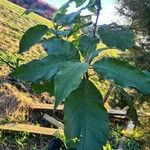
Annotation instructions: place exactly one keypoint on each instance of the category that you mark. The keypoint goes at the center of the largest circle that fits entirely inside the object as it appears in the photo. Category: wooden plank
(41, 106)
(28, 128)
(53, 121)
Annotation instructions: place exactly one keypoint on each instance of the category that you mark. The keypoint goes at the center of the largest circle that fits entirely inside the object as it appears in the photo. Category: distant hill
(44, 9)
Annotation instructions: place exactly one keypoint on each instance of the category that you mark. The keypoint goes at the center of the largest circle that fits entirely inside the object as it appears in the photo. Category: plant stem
(108, 92)
(97, 16)
(7, 63)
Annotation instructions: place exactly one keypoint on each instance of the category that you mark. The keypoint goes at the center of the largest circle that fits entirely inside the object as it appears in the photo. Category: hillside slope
(13, 24)
(12, 27)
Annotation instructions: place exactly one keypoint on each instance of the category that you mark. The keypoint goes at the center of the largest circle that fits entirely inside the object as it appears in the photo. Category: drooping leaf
(87, 45)
(32, 36)
(57, 46)
(68, 79)
(42, 69)
(86, 118)
(44, 86)
(79, 2)
(123, 74)
(116, 36)
(127, 100)
(66, 19)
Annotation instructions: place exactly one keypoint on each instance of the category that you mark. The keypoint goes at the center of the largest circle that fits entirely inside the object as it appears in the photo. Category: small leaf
(57, 46)
(94, 5)
(43, 69)
(66, 19)
(87, 45)
(79, 2)
(32, 36)
(45, 86)
(64, 33)
(116, 36)
(86, 118)
(123, 74)
(68, 79)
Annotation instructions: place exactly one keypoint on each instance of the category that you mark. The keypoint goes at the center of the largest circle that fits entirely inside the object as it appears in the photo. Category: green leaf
(57, 46)
(64, 33)
(67, 19)
(123, 74)
(94, 5)
(44, 86)
(87, 45)
(68, 79)
(79, 2)
(32, 36)
(116, 36)
(86, 118)
(63, 8)
(127, 100)
(43, 69)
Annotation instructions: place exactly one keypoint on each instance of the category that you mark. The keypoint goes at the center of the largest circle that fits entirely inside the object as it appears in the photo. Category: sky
(108, 13)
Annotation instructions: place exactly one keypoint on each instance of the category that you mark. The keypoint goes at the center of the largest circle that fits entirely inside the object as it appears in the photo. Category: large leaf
(42, 69)
(116, 36)
(57, 46)
(32, 36)
(86, 118)
(68, 79)
(123, 74)
(44, 86)
(87, 45)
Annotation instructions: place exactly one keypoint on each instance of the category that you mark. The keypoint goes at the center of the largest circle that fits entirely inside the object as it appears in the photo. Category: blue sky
(107, 16)
(58, 3)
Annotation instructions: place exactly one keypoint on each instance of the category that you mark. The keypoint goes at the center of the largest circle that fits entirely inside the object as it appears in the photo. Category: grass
(13, 24)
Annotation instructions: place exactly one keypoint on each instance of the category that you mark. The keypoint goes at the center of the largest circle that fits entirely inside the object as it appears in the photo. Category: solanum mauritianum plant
(64, 72)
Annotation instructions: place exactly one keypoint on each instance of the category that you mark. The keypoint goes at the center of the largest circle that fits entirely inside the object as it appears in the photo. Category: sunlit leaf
(32, 36)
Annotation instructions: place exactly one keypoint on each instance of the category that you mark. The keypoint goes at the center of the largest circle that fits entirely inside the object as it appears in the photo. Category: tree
(137, 12)
(65, 71)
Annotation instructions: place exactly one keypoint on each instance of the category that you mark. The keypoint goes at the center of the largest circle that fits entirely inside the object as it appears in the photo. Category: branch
(7, 63)
(97, 16)
(108, 92)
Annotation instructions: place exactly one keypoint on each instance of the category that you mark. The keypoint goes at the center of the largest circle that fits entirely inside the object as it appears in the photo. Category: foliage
(137, 13)
(67, 65)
